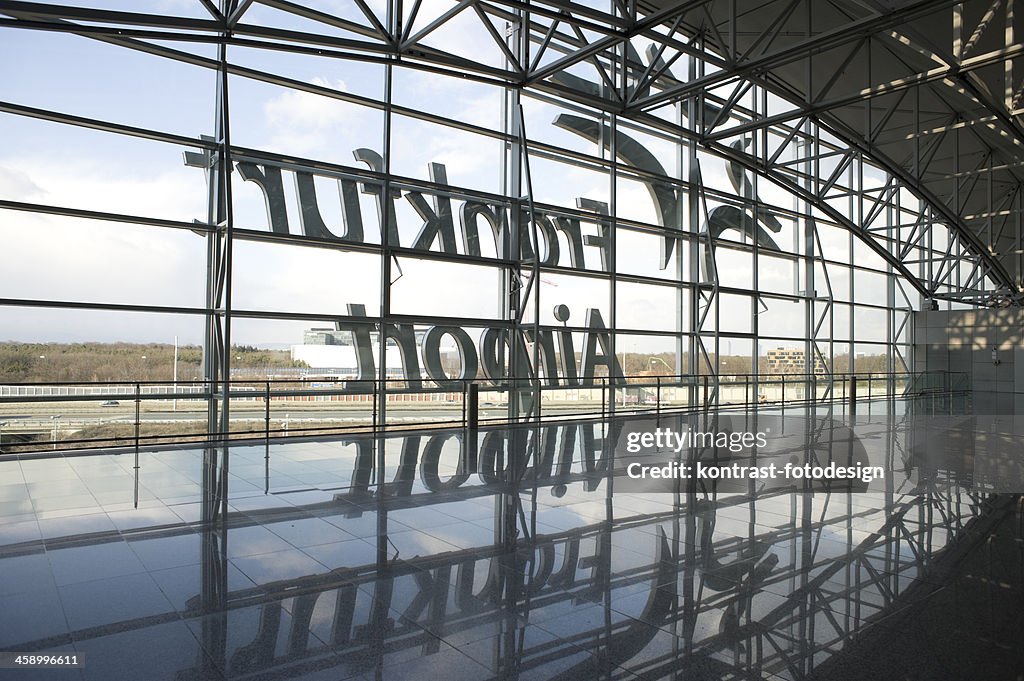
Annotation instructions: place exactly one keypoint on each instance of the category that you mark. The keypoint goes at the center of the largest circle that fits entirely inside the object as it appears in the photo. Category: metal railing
(61, 416)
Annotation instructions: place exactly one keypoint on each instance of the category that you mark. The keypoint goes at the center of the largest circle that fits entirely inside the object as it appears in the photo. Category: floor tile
(160, 652)
(30, 616)
(113, 602)
(89, 562)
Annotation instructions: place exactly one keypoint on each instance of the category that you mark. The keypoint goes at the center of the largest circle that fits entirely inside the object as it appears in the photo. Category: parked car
(110, 403)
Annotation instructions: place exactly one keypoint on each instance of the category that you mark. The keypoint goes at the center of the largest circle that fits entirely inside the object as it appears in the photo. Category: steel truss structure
(895, 125)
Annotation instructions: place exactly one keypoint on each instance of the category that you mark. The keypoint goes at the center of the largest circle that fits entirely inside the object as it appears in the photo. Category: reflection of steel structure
(884, 121)
(744, 582)
(781, 592)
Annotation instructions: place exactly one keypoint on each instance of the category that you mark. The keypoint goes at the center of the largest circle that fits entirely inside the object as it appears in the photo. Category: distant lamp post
(54, 419)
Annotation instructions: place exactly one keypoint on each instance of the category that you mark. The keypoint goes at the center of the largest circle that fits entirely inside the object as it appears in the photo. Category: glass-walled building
(517, 340)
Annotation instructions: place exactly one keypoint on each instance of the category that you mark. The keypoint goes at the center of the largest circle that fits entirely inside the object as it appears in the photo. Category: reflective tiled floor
(506, 554)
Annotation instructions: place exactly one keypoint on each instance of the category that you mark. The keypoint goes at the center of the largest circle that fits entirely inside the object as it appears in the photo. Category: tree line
(93, 362)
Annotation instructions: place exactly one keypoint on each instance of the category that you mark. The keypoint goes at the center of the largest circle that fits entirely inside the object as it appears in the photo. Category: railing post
(470, 420)
(373, 406)
(539, 388)
(138, 409)
(604, 385)
(266, 414)
(657, 396)
(266, 439)
(782, 398)
(853, 393)
(471, 411)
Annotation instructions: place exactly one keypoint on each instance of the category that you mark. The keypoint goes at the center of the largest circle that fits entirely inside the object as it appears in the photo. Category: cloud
(296, 107)
(303, 123)
(169, 192)
(470, 160)
(462, 34)
(461, 155)
(484, 110)
(76, 259)
(18, 186)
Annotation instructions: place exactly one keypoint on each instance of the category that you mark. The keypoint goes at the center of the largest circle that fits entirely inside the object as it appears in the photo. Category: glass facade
(516, 198)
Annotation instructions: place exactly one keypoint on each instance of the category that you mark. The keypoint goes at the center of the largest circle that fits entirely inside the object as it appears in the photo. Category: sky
(59, 258)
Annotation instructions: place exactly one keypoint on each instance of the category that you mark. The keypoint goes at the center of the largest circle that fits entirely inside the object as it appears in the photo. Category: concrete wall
(962, 340)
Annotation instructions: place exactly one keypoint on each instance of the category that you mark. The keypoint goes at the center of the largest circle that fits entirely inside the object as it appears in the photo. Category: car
(110, 403)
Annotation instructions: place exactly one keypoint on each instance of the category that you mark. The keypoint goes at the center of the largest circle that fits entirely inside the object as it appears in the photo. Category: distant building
(327, 336)
(333, 352)
(790, 361)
